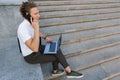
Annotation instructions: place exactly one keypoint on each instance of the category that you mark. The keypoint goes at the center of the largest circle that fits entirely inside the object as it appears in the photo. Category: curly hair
(26, 7)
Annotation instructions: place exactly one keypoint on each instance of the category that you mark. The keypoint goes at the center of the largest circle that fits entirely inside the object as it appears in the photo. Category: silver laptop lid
(59, 41)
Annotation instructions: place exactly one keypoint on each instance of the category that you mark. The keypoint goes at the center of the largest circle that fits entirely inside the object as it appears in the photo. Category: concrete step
(94, 0)
(78, 36)
(77, 7)
(80, 46)
(72, 53)
(81, 37)
(87, 60)
(78, 19)
(115, 76)
(64, 29)
(62, 2)
(92, 59)
(7, 41)
(10, 18)
(59, 14)
(79, 0)
(90, 37)
(98, 72)
(112, 68)
(13, 65)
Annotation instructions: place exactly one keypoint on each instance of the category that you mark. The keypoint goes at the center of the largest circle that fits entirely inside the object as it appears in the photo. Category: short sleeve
(24, 34)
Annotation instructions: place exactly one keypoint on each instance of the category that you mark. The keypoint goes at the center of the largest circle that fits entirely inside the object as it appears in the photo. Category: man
(30, 36)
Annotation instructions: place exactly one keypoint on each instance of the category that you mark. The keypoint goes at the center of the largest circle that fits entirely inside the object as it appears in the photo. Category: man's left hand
(48, 39)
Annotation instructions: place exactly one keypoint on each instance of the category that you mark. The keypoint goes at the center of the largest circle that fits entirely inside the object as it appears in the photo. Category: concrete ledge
(56, 2)
(11, 2)
(14, 67)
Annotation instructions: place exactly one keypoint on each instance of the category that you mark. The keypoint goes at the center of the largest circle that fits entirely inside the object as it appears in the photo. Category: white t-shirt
(24, 33)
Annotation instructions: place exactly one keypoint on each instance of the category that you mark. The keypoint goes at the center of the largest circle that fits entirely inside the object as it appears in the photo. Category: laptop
(53, 47)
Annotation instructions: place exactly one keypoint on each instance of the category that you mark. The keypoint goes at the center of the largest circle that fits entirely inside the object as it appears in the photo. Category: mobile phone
(28, 17)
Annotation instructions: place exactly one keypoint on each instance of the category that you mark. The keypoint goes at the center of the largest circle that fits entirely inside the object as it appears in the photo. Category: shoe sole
(75, 76)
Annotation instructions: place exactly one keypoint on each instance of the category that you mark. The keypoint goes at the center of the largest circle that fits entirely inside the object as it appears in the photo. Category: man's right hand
(35, 23)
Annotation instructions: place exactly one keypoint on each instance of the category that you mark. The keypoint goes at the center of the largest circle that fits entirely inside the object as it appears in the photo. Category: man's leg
(39, 57)
(54, 63)
(35, 58)
(61, 58)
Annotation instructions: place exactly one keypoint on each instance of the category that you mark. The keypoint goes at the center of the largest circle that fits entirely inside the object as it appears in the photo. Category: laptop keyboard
(52, 47)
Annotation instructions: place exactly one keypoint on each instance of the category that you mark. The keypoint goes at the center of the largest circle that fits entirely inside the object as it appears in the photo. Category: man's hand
(48, 39)
(34, 23)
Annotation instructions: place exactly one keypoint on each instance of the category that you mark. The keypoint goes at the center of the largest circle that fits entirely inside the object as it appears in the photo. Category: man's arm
(45, 37)
(33, 43)
(42, 36)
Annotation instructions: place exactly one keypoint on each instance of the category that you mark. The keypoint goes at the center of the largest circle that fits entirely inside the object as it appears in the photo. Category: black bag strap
(19, 45)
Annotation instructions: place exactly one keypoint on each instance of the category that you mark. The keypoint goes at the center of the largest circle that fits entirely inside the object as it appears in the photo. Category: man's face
(34, 12)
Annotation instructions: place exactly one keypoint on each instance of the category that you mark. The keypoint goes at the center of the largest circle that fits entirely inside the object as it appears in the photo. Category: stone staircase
(91, 31)
(113, 77)
(90, 43)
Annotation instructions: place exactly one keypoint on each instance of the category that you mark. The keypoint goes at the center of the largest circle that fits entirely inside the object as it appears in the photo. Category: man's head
(29, 8)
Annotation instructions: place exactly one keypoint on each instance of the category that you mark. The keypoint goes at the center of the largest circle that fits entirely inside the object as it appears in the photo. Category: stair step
(77, 7)
(82, 63)
(59, 3)
(115, 76)
(90, 37)
(88, 60)
(110, 68)
(98, 73)
(64, 29)
(62, 2)
(60, 14)
(81, 46)
(72, 37)
(79, 19)
(85, 60)
(93, 0)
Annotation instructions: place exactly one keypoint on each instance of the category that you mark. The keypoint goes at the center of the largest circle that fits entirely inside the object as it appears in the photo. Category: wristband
(45, 37)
